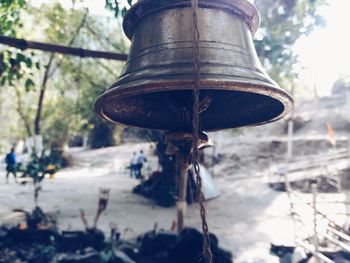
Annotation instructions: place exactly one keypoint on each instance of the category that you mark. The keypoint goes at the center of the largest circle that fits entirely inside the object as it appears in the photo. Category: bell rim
(240, 7)
(271, 91)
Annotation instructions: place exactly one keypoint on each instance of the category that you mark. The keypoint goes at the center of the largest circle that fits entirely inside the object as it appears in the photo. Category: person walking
(133, 166)
(141, 159)
(11, 165)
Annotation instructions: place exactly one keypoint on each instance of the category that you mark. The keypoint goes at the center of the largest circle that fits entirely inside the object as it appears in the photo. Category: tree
(283, 22)
(60, 34)
(118, 7)
(341, 85)
(16, 67)
(63, 92)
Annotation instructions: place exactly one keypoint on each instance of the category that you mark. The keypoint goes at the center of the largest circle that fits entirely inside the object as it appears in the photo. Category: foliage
(117, 7)
(283, 22)
(36, 169)
(72, 83)
(77, 82)
(14, 64)
(10, 16)
(341, 85)
(16, 67)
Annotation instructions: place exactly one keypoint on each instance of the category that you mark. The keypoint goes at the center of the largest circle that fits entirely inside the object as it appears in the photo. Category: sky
(323, 55)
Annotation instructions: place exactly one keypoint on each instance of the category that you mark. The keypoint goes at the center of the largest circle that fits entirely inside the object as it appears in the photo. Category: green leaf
(29, 84)
(28, 62)
(3, 81)
(124, 10)
(20, 57)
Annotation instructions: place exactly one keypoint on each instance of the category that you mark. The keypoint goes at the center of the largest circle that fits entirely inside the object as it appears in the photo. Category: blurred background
(276, 193)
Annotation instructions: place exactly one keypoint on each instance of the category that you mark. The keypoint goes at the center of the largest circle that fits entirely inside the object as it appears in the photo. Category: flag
(330, 134)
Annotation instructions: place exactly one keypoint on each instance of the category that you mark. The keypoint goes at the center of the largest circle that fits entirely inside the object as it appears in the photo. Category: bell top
(242, 8)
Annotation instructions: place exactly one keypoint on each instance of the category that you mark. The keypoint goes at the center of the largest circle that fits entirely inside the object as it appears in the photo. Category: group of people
(137, 162)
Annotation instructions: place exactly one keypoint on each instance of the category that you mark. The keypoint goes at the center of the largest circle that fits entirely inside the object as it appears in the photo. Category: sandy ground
(247, 217)
(242, 223)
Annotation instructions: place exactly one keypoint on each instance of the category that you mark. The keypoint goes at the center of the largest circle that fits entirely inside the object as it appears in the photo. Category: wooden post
(290, 130)
(314, 201)
(349, 151)
(348, 104)
(290, 139)
(292, 208)
(182, 204)
(183, 142)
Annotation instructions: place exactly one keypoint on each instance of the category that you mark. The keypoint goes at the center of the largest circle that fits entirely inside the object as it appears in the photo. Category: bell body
(155, 89)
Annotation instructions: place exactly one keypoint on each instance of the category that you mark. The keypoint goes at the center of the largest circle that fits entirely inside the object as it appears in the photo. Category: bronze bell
(155, 88)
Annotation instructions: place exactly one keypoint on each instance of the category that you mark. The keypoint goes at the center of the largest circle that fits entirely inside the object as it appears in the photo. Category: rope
(195, 130)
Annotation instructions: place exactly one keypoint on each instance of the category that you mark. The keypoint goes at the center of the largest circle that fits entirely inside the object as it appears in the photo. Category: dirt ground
(242, 217)
(247, 217)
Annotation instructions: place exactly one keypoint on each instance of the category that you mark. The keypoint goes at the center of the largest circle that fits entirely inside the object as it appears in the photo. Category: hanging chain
(195, 129)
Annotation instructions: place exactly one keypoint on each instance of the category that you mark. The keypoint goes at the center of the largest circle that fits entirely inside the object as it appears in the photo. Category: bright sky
(324, 54)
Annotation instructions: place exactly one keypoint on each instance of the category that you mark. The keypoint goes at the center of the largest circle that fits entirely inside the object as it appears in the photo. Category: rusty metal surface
(183, 140)
(155, 88)
(143, 8)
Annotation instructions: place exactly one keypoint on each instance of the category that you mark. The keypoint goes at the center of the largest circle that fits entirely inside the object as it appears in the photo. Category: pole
(290, 139)
(349, 151)
(183, 142)
(182, 204)
(314, 200)
(292, 208)
(348, 104)
(290, 130)
(53, 48)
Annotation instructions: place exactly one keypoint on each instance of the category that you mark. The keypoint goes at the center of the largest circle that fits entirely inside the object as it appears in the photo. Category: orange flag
(330, 134)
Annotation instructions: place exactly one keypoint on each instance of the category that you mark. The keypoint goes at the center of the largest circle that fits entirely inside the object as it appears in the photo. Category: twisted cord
(195, 129)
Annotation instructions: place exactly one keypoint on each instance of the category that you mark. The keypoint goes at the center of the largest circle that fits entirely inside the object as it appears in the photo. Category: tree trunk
(43, 87)
(49, 74)
(22, 115)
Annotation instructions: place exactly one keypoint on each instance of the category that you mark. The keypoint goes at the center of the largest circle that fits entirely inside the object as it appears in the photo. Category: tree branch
(22, 115)
(41, 96)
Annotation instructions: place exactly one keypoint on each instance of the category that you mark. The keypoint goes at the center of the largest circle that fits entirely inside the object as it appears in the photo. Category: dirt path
(242, 217)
